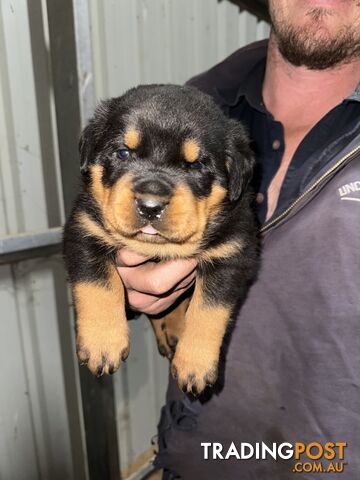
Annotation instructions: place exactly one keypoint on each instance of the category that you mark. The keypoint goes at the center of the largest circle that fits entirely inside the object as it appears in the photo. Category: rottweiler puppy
(166, 174)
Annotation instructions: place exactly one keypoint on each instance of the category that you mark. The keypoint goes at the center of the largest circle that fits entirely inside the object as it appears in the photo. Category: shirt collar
(250, 87)
(246, 81)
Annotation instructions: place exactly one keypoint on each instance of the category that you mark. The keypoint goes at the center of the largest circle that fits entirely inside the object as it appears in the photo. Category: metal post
(71, 60)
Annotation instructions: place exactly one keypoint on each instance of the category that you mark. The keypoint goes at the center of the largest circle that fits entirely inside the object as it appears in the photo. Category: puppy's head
(162, 162)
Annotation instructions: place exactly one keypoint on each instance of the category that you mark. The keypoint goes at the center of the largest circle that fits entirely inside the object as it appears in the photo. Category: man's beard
(316, 50)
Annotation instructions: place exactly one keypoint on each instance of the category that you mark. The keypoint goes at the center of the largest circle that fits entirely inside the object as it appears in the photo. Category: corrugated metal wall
(160, 41)
(134, 41)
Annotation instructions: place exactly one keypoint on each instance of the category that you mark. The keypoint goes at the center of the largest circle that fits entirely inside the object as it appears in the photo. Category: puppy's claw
(103, 359)
(125, 354)
(193, 375)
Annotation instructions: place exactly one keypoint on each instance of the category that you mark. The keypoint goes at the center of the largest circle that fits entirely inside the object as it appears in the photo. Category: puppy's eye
(123, 153)
(195, 165)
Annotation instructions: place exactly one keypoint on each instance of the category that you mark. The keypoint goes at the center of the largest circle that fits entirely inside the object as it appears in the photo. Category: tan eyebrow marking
(191, 150)
(132, 138)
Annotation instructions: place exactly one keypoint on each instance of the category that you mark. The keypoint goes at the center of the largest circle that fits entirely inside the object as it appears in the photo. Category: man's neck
(299, 97)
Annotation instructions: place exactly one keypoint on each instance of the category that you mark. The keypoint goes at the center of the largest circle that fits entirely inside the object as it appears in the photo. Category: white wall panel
(161, 41)
(26, 159)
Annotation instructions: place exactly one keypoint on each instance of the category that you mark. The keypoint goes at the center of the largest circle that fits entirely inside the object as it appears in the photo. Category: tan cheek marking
(208, 207)
(132, 138)
(181, 214)
(116, 203)
(197, 352)
(102, 330)
(191, 150)
(94, 229)
(99, 191)
(214, 200)
(119, 210)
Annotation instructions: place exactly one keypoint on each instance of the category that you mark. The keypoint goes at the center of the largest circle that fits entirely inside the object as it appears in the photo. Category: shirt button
(260, 197)
(276, 144)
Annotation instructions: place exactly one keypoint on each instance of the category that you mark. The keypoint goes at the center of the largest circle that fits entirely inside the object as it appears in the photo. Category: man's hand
(153, 287)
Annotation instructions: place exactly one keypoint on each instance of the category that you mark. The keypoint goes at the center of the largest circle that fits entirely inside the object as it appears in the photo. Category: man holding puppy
(293, 364)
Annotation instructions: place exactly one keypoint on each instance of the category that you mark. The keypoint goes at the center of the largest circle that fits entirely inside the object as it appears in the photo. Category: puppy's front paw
(102, 352)
(194, 369)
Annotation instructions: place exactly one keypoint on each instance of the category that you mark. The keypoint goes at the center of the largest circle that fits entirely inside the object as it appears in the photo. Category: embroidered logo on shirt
(350, 191)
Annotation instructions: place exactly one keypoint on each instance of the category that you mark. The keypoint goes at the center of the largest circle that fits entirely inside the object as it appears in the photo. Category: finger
(187, 282)
(157, 278)
(128, 258)
(152, 305)
(144, 301)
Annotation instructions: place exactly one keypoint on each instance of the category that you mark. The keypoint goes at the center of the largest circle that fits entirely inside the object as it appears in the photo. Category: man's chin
(315, 45)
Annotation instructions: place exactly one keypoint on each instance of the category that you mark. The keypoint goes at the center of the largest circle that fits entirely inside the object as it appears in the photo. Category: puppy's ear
(92, 133)
(239, 160)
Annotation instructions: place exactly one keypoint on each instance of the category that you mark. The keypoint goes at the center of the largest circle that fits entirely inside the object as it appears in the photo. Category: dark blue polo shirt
(328, 136)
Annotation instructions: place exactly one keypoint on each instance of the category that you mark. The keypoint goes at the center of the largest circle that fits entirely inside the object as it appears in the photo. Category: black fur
(166, 116)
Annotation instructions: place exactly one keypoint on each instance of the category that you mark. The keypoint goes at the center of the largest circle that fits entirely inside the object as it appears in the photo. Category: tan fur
(119, 211)
(164, 251)
(116, 203)
(159, 331)
(132, 138)
(214, 200)
(191, 150)
(183, 225)
(197, 353)
(224, 250)
(99, 191)
(168, 329)
(174, 322)
(90, 227)
(102, 329)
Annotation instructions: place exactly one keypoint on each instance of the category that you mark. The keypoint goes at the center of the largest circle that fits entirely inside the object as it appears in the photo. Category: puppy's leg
(168, 329)
(159, 331)
(174, 324)
(195, 363)
(98, 293)
(102, 329)
(221, 284)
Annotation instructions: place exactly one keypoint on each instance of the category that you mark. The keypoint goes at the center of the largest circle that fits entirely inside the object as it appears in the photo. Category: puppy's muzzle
(151, 198)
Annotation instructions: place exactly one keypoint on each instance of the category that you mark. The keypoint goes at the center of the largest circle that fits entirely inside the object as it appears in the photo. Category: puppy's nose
(152, 187)
(151, 208)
